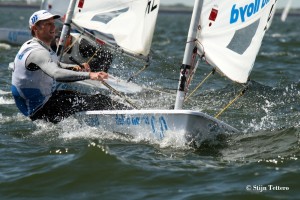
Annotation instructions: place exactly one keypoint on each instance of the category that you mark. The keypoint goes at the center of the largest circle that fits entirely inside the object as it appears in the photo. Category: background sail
(286, 10)
(129, 24)
(230, 34)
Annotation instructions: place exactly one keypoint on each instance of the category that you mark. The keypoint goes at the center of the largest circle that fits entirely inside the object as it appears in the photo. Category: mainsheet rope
(241, 93)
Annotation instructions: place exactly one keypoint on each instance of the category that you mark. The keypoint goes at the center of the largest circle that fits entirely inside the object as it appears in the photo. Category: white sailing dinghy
(227, 34)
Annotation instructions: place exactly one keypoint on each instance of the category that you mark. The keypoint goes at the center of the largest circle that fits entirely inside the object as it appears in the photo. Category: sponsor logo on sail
(246, 11)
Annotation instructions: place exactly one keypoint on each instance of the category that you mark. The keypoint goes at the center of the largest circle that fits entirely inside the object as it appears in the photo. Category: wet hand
(86, 67)
(101, 76)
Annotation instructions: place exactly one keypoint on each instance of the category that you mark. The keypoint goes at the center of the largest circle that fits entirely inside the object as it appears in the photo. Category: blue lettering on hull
(14, 35)
(158, 125)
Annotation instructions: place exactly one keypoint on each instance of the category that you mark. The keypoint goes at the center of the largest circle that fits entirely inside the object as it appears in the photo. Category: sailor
(36, 70)
(85, 50)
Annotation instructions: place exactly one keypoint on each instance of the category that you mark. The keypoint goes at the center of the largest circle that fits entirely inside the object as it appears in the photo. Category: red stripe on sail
(101, 42)
(213, 14)
(80, 4)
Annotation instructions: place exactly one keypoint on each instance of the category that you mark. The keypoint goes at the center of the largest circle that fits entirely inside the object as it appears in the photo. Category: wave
(6, 101)
(4, 46)
(270, 147)
(261, 107)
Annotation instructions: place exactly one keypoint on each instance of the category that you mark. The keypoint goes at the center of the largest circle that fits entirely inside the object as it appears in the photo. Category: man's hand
(86, 67)
(98, 76)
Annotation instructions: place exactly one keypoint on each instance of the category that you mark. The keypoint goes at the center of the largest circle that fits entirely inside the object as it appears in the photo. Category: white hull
(196, 126)
(14, 36)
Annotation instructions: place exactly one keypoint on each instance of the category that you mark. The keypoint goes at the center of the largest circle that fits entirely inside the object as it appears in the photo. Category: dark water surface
(68, 161)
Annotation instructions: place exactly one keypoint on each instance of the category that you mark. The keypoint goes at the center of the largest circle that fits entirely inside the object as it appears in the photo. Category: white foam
(5, 46)
(2, 92)
(174, 140)
(6, 101)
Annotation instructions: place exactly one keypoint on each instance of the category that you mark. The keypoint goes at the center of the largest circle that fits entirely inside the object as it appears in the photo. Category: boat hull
(196, 126)
(14, 36)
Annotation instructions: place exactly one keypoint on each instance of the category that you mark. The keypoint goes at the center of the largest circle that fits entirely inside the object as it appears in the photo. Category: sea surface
(40, 160)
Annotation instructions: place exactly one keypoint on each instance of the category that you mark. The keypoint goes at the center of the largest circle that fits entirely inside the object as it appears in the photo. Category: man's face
(45, 30)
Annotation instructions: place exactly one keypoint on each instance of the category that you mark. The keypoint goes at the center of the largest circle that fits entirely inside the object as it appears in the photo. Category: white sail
(129, 24)
(286, 10)
(230, 34)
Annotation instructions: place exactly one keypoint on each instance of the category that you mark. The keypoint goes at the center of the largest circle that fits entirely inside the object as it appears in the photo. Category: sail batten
(230, 34)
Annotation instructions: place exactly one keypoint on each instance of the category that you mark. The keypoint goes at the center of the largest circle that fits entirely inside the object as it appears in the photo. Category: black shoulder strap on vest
(32, 67)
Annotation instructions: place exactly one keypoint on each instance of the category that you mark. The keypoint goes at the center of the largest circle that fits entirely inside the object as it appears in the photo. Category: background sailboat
(14, 36)
(286, 10)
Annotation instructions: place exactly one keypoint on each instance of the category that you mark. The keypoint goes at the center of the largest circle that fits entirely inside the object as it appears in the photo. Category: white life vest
(31, 88)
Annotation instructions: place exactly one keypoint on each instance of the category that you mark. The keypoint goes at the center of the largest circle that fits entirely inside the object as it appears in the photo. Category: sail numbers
(151, 6)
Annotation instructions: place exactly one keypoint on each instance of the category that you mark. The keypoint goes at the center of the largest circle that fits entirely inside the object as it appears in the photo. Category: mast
(187, 58)
(66, 28)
